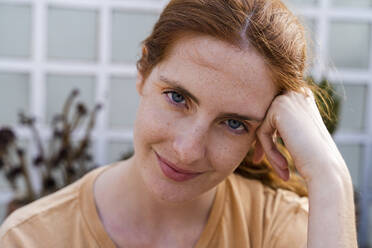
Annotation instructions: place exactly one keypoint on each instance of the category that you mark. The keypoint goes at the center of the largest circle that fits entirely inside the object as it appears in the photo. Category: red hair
(266, 25)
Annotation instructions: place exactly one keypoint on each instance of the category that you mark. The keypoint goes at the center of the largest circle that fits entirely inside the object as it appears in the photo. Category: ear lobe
(259, 153)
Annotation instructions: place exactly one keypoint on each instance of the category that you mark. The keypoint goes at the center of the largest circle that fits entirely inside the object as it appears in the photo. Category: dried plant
(64, 160)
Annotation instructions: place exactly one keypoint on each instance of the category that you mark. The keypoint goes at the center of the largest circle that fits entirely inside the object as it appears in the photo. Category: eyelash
(171, 101)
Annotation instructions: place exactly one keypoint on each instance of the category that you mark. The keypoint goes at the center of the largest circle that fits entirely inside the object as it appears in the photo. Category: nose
(190, 143)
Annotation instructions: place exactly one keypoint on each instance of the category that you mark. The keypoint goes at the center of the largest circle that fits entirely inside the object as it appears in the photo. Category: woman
(216, 78)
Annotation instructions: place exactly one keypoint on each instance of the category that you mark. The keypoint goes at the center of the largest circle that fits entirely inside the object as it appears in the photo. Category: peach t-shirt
(245, 213)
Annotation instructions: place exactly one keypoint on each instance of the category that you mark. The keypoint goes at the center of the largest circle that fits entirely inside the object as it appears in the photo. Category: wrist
(331, 205)
(326, 170)
(330, 183)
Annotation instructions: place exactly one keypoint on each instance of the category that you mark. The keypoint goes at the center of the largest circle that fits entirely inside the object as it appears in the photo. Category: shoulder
(282, 214)
(41, 208)
(256, 191)
(41, 219)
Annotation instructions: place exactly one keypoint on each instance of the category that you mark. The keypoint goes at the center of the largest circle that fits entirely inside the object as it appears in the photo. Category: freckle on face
(199, 63)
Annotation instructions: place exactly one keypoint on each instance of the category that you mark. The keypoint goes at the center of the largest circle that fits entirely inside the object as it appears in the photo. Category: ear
(259, 153)
(139, 83)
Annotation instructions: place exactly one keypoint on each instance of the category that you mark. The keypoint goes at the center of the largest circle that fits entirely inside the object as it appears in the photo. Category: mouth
(172, 172)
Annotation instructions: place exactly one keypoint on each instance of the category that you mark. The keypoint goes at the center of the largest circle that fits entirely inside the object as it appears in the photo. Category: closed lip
(174, 167)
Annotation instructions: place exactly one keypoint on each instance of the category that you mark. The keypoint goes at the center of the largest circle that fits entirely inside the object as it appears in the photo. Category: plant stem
(30, 192)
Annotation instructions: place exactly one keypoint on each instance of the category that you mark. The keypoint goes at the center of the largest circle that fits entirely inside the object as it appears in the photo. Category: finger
(307, 92)
(276, 159)
(271, 151)
(284, 174)
(259, 153)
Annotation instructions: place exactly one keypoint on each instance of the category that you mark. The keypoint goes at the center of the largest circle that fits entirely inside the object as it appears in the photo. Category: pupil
(234, 124)
(177, 97)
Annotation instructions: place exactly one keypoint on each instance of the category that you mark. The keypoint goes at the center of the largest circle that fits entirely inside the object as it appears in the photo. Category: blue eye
(236, 125)
(175, 97)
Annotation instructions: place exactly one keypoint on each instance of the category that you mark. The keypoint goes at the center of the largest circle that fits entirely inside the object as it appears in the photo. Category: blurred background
(49, 47)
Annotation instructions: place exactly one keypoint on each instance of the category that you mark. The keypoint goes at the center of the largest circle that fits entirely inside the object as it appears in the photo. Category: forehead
(213, 69)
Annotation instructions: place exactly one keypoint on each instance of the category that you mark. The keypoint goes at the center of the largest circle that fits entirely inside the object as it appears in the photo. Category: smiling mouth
(176, 174)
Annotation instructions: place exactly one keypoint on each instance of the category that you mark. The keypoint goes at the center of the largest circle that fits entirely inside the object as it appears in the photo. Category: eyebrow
(177, 86)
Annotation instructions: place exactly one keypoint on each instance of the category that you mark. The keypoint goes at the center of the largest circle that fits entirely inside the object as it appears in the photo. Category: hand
(296, 119)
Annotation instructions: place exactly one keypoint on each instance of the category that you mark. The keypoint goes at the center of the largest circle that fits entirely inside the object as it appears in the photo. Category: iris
(178, 98)
(234, 124)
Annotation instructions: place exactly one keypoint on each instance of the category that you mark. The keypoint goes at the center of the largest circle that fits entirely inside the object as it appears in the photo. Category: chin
(162, 189)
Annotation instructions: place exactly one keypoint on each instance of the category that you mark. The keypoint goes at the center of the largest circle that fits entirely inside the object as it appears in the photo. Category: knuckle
(279, 100)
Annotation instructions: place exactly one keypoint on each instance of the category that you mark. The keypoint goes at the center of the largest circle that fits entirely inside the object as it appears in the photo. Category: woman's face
(198, 114)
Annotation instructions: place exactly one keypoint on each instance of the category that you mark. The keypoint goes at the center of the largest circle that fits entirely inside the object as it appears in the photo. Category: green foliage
(328, 103)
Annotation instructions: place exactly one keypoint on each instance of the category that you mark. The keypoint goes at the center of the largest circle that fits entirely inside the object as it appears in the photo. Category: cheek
(227, 154)
(151, 125)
